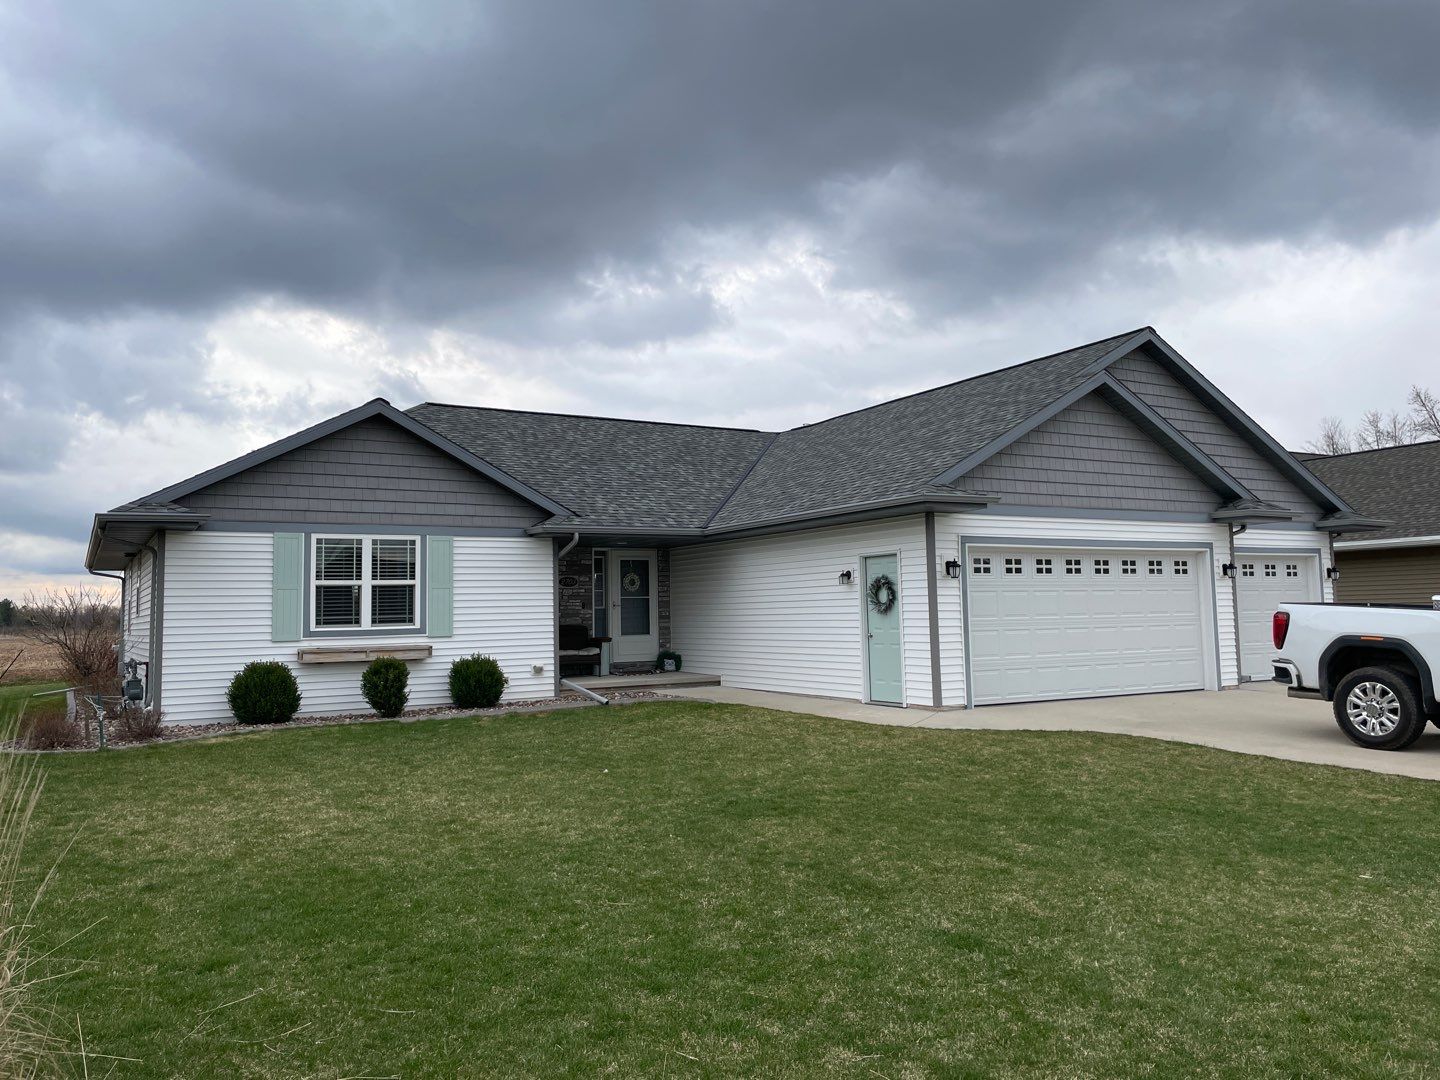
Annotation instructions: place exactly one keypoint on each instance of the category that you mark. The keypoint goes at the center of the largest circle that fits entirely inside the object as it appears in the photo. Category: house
(1399, 564)
(1098, 521)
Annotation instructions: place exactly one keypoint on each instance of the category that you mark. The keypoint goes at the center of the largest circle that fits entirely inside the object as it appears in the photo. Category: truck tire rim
(1373, 709)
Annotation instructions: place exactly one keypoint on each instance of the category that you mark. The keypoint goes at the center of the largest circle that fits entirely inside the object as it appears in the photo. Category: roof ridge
(589, 416)
(1370, 450)
(977, 375)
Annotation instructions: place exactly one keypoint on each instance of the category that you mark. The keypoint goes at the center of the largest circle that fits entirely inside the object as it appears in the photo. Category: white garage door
(1051, 624)
(1264, 583)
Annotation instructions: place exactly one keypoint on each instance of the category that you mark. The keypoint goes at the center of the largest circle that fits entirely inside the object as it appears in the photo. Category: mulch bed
(180, 732)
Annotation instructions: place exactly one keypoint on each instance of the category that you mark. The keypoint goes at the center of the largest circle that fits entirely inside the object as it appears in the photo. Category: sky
(221, 223)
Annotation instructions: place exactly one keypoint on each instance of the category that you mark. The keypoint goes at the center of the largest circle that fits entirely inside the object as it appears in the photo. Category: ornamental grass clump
(476, 682)
(264, 692)
(385, 685)
(28, 1045)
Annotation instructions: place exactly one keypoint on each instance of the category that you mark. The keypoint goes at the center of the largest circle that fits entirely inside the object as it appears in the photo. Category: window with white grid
(1292, 569)
(1128, 567)
(1044, 566)
(1102, 566)
(979, 565)
(1247, 569)
(364, 582)
(1074, 566)
(1014, 566)
(1182, 566)
(1270, 570)
(1156, 567)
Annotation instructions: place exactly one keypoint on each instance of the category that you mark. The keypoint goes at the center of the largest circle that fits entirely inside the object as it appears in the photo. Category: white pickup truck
(1377, 664)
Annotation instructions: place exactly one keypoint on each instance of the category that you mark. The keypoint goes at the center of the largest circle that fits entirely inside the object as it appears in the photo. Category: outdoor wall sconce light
(1228, 569)
(952, 568)
(847, 577)
(1333, 573)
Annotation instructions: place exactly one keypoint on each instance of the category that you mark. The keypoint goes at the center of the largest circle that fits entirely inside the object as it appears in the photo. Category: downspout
(1236, 530)
(574, 539)
(124, 590)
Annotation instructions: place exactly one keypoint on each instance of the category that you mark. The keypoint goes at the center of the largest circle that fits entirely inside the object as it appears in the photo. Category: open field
(37, 664)
(702, 890)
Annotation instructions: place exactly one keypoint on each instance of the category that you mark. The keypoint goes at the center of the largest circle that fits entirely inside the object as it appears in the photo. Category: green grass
(694, 890)
(14, 697)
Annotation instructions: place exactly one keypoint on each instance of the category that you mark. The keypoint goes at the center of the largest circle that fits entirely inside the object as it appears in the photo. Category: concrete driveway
(1256, 718)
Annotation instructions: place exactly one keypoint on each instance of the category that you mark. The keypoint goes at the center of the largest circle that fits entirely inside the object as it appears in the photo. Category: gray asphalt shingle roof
(1399, 484)
(627, 473)
(615, 473)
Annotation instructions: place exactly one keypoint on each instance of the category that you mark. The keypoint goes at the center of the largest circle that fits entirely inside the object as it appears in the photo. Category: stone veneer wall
(577, 602)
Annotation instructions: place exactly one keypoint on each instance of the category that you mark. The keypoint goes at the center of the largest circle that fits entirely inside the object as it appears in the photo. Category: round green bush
(264, 692)
(384, 685)
(476, 682)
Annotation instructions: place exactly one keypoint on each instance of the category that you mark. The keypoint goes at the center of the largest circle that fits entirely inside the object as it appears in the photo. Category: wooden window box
(360, 654)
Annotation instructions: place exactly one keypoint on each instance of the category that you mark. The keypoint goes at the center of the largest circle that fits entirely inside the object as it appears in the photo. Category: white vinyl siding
(1069, 536)
(769, 613)
(135, 623)
(217, 619)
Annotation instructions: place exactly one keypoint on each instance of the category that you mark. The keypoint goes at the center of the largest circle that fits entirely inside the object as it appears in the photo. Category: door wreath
(882, 594)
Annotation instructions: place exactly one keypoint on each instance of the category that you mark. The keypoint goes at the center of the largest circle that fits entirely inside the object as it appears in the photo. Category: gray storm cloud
(479, 166)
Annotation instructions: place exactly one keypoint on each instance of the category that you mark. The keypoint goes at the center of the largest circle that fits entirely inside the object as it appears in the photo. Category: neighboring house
(1065, 527)
(1399, 564)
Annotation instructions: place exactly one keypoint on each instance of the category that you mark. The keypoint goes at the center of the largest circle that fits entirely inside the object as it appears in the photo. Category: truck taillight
(1279, 627)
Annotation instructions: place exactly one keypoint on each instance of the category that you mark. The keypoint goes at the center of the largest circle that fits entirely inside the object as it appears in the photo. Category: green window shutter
(440, 574)
(287, 584)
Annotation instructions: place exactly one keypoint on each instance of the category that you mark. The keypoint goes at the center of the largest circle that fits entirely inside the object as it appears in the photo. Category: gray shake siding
(1091, 456)
(1231, 451)
(372, 473)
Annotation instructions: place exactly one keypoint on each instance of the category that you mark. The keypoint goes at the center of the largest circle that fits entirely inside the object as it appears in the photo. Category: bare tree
(1425, 412)
(1333, 438)
(1378, 430)
(83, 627)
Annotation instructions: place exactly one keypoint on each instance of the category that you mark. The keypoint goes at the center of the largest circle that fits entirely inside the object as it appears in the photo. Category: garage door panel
(1264, 583)
(1099, 623)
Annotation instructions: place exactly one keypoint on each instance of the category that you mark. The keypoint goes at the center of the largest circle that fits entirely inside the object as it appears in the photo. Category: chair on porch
(579, 649)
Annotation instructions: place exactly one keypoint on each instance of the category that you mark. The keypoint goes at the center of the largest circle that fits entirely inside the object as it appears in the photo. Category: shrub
(384, 685)
(476, 682)
(264, 692)
(130, 721)
(50, 730)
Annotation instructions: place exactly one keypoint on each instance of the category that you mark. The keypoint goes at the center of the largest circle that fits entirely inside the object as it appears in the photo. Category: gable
(370, 473)
(1154, 385)
(1090, 456)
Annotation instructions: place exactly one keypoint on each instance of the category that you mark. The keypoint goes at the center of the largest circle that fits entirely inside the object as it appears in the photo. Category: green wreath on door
(882, 594)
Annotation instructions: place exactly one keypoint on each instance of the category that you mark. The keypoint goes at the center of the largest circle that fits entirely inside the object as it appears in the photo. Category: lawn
(695, 890)
(21, 696)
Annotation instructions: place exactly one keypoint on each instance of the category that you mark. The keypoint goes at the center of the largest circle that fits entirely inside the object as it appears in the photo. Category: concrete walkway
(1256, 718)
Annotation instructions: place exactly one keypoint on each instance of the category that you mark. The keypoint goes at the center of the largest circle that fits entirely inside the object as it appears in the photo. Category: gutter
(1397, 542)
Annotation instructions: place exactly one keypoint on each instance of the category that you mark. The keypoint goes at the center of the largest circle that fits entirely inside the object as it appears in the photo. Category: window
(364, 582)
(600, 611)
(979, 565)
(1292, 569)
(1044, 566)
(1270, 569)
(1102, 566)
(1073, 566)
(1247, 569)
(1127, 567)
(1156, 567)
(1182, 566)
(1014, 566)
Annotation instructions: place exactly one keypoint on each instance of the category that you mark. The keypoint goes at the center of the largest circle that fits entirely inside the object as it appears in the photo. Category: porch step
(660, 680)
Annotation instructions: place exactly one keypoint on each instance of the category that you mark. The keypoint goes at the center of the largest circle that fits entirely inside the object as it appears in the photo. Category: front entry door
(634, 607)
(884, 662)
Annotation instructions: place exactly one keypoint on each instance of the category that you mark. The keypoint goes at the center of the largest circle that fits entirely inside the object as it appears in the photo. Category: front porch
(614, 613)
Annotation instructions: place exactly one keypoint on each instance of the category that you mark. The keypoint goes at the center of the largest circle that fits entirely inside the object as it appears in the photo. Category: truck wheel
(1379, 708)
